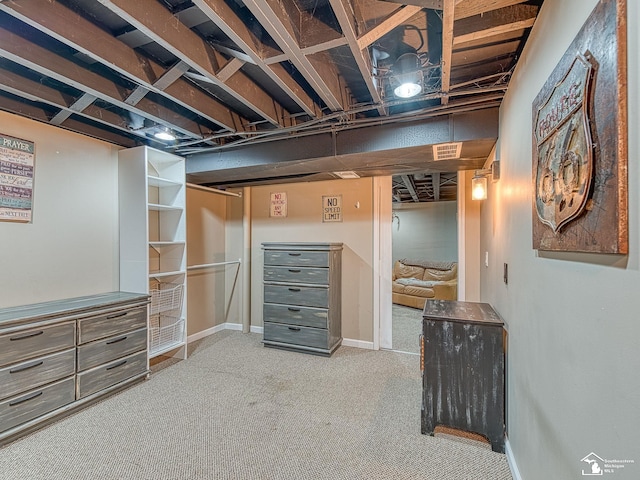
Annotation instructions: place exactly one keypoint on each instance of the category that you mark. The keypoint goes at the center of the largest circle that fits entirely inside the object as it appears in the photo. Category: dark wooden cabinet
(462, 361)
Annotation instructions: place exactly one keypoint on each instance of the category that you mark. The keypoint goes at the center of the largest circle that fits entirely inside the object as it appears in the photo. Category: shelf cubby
(153, 242)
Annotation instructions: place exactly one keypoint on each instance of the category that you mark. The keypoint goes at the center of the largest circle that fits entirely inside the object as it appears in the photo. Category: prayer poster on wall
(16, 179)
(278, 206)
(332, 208)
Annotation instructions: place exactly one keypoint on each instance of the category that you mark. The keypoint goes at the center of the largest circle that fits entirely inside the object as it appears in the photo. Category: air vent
(447, 151)
(348, 174)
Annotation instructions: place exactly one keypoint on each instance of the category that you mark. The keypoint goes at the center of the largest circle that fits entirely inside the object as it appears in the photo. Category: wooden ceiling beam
(161, 26)
(435, 181)
(495, 23)
(36, 112)
(397, 18)
(408, 183)
(233, 26)
(346, 17)
(322, 76)
(492, 32)
(433, 4)
(469, 8)
(54, 19)
(448, 13)
(39, 59)
(38, 92)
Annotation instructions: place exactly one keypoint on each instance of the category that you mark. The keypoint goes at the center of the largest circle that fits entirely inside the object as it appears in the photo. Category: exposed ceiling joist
(229, 22)
(37, 58)
(163, 28)
(397, 18)
(433, 4)
(346, 18)
(435, 180)
(321, 75)
(54, 19)
(492, 32)
(469, 8)
(447, 46)
(263, 81)
(78, 106)
(408, 182)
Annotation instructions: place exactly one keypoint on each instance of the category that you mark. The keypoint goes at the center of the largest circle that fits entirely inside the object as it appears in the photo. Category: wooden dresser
(462, 362)
(58, 356)
(302, 296)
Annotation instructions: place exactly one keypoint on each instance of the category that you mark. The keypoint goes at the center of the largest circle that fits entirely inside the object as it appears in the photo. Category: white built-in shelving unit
(153, 254)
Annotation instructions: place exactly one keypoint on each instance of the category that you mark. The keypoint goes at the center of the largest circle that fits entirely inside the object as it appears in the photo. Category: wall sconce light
(407, 75)
(163, 133)
(479, 184)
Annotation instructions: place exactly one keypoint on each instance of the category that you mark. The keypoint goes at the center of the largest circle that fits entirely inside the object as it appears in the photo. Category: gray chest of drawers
(302, 296)
(58, 356)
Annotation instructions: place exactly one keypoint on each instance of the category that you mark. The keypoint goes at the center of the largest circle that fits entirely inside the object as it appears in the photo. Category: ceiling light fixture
(163, 133)
(408, 75)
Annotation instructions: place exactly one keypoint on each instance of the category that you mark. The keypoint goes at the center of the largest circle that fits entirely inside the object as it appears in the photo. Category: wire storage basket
(164, 332)
(165, 297)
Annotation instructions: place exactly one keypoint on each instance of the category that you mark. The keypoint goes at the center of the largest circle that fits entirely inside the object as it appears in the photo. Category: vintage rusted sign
(564, 148)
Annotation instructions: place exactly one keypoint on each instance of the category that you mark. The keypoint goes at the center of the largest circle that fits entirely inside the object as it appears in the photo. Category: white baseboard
(205, 333)
(219, 328)
(515, 473)
(348, 342)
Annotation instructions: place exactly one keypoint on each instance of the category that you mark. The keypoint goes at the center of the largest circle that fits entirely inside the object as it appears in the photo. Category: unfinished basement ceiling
(240, 81)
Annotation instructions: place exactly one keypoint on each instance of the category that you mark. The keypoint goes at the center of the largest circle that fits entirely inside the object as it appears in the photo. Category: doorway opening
(441, 234)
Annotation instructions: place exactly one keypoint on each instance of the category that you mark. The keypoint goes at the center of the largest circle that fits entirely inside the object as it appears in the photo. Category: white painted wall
(425, 231)
(573, 324)
(71, 247)
(469, 255)
(304, 224)
(206, 299)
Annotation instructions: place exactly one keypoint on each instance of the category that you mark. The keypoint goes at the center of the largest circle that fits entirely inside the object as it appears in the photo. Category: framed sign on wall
(16, 179)
(331, 208)
(278, 205)
(580, 141)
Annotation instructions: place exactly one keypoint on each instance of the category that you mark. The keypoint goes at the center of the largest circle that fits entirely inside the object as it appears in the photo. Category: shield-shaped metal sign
(564, 148)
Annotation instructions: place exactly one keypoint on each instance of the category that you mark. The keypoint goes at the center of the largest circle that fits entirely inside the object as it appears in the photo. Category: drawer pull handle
(119, 364)
(295, 254)
(26, 335)
(294, 289)
(26, 367)
(295, 329)
(291, 309)
(117, 315)
(116, 340)
(25, 399)
(294, 271)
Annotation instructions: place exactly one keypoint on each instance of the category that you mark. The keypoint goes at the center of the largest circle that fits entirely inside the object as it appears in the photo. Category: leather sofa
(415, 281)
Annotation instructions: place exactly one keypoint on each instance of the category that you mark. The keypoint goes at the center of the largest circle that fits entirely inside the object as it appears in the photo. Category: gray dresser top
(68, 307)
(301, 246)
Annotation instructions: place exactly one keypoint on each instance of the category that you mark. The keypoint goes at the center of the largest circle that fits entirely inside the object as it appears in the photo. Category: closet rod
(207, 265)
(213, 190)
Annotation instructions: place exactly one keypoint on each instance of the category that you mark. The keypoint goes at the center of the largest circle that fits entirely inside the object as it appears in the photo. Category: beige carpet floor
(237, 410)
(406, 328)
